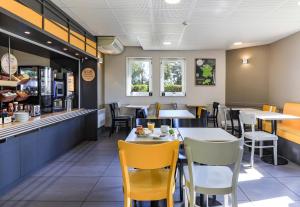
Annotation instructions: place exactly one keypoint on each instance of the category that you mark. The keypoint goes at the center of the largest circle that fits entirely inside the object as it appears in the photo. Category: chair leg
(170, 202)
(234, 199)
(252, 154)
(226, 200)
(260, 148)
(275, 152)
(186, 201)
(180, 179)
(127, 202)
(112, 129)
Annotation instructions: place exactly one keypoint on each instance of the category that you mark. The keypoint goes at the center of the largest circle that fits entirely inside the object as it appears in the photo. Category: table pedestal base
(270, 160)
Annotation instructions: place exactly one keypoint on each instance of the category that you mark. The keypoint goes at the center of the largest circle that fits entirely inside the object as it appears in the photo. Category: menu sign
(70, 84)
(88, 74)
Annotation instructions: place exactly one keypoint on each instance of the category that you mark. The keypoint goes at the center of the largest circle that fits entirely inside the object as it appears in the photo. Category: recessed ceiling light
(49, 42)
(76, 54)
(172, 1)
(27, 32)
(298, 3)
(167, 43)
(65, 49)
(237, 43)
(86, 58)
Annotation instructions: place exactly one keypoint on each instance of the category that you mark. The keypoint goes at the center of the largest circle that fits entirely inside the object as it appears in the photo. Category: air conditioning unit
(110, 45)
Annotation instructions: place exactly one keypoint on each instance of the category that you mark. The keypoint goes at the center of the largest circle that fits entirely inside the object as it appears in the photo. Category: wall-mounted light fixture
(245, 60)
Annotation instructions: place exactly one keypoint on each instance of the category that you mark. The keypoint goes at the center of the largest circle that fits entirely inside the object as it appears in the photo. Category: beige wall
(247, 84)
(115, 77)
(26, 58)
(284, 83)
(272, 75)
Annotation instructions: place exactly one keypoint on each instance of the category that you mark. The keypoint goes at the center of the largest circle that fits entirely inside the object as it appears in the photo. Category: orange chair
(148, 171)
(267, 125)
(290, 130)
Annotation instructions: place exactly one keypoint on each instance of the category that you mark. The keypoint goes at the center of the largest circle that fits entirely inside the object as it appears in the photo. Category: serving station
(46, 107)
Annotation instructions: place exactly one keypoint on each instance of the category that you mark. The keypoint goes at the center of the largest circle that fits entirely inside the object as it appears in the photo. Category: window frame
(128, 78)
(162, 74)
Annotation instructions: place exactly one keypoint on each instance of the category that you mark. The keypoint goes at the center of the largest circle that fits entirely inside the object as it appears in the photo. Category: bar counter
(28, 146)
(16, 128)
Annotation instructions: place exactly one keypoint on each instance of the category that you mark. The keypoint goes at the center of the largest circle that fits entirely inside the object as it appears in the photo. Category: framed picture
(205, 72)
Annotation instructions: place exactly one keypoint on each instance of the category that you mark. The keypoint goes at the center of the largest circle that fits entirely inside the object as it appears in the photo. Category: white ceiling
(212, 24)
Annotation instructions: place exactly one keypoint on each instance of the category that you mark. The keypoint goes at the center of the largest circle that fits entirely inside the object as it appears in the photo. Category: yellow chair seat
(289, 133)
(149, 182)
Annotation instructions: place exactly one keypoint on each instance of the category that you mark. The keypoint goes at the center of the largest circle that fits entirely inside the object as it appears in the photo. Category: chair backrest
(148, 156)
(158, 122)
(215, 109)
(174, 106)
(247, 119)
(269, 108)
(141, 113)
(113, 111)
(215, 154)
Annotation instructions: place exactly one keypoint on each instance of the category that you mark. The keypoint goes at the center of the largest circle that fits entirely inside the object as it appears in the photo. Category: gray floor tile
(293, 183)
(114, 170)
(54, 169)
(290, 170)
(80, 169)
(266, 188)
(103, 204)
(40, 204)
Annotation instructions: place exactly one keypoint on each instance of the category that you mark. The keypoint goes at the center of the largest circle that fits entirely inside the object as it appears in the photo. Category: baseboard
(289, 150)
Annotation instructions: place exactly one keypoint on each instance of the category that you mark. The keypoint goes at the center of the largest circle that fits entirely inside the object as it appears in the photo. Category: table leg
(270, 158)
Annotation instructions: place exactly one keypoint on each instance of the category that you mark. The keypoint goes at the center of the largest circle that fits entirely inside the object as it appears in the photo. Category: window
(172, 77)
(139, 76)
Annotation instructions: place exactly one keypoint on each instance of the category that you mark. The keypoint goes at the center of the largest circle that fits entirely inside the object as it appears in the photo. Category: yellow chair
(267, 125)
(158, 106)
(148, 171)
(199, 111)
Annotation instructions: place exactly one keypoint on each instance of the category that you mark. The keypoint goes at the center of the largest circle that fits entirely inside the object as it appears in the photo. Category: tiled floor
(89, 176)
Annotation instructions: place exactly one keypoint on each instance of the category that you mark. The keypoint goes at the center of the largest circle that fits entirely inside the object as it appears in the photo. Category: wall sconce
(245, 61)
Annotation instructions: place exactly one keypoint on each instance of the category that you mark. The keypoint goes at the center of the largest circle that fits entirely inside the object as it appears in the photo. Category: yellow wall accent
(22, 11)
(91, 50)
(76, 42)
(91, 43)
(56, 30)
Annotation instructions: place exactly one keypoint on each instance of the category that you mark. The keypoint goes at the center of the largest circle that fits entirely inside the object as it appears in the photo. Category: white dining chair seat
(211, 179)
(260, 136)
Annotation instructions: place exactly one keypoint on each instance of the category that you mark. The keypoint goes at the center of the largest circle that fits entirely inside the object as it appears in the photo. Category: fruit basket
(7, 96)
(22, 96)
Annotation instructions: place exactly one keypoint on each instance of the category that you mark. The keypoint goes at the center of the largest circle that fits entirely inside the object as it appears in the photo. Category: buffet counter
(16, 128)
(25, 147)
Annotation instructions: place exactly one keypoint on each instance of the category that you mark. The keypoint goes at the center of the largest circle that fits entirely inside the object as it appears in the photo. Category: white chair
(215, 177)
(250, 138)
(225, 119)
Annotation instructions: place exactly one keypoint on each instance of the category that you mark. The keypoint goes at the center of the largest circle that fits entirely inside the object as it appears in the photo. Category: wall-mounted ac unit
(110, 45)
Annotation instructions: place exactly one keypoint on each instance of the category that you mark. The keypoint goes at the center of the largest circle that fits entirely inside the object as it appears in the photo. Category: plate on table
(147, 133)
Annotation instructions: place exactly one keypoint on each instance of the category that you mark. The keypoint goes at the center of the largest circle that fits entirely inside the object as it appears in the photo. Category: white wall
(115, 77)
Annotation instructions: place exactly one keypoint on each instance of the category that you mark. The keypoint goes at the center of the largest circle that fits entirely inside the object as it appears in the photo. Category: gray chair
(214, 176)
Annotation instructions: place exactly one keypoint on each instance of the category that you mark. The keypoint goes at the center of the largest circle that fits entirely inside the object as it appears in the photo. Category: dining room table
(274, 117)
(176, 114)
(204, 134)
(137, 107)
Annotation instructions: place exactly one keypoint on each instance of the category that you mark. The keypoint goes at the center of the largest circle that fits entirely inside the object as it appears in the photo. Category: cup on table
(164, 129)
(151, 126)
